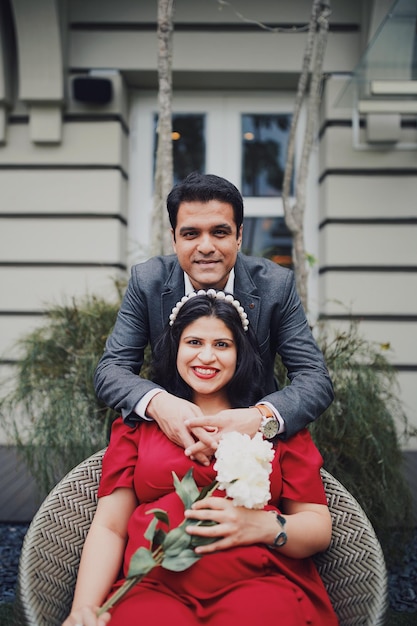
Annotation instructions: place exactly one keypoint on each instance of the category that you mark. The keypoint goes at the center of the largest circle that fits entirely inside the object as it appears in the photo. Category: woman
(257, 566)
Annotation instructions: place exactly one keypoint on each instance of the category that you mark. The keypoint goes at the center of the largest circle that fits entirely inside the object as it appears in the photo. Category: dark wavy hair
(246, 387)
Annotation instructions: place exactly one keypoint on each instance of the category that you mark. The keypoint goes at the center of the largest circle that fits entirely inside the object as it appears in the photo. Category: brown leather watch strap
(264, 410)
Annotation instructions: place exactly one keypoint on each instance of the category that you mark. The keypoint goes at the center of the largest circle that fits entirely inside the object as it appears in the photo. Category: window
(268, 237)
(264, 149)
(188, 145)
(242, 136)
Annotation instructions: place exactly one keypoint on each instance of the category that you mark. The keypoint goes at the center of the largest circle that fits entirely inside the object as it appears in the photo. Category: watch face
(270, 428)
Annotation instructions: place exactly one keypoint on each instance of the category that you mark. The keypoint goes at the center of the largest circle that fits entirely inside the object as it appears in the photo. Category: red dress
(244, 585)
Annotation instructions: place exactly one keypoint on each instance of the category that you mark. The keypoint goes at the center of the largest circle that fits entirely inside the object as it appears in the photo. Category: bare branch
(271, 29)
(161, 241)
(294, 210)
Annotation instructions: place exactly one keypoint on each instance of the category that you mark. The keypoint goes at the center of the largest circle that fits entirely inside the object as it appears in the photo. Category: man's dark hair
(203, 188)
(246, 386)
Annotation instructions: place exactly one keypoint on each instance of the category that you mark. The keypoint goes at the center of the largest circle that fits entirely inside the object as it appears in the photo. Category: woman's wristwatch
(281, 537)
(269, 424)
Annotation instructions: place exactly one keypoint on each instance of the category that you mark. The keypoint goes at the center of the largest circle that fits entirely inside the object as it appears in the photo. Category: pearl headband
(216, 295)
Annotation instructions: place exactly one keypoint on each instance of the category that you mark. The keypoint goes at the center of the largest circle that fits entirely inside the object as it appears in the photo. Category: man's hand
(241, 420)
(171, 413)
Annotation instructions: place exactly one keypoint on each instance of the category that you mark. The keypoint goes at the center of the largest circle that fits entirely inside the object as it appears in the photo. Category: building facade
(78, 104)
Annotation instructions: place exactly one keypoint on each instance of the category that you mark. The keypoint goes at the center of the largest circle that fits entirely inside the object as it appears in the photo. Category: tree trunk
(161, 239)
(294, 208)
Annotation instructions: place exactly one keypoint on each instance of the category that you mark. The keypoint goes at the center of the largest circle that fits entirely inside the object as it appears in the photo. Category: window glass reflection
(264, 150)
(267, 237)
(189, 144)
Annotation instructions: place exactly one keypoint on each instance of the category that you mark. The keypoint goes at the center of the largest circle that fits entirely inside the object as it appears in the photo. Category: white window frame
(223, 111)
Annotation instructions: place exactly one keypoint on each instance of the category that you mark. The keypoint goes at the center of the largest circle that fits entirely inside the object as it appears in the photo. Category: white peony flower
(243, 466)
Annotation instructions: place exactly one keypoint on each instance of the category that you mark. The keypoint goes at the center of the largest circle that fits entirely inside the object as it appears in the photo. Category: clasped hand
(235, 525)
(184, 423)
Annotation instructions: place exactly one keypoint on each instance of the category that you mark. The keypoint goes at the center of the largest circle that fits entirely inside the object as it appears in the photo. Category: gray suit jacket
(267, 293)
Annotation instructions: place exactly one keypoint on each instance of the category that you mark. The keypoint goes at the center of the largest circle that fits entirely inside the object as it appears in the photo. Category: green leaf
(186, 489)
(159, 537)
(207, 490)
(202, 541)
(196, 540)
(181, 561)
(141, 563)
(176, 541)
(150, 531)
(160, 514)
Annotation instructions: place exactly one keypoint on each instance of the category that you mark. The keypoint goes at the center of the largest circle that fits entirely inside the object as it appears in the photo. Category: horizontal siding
(100, 144)
(28, 292)
(62, 241)
(337, 153)
(217, 52)
(367, 293)
(62, 192)
(34, 289)
(368, 196)
(280, 11)
(368, 230)
(364, 244)
(63, 220)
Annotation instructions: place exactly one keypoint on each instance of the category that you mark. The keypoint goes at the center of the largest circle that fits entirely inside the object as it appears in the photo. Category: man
(206, 215)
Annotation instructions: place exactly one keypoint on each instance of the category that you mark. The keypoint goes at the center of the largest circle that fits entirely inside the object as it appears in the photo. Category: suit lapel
(172, 291)
(245, 291)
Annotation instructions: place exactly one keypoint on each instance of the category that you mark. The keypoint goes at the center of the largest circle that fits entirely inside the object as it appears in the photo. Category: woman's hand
(235, 525)
(87, 616)
(245, 421)
(308, 526)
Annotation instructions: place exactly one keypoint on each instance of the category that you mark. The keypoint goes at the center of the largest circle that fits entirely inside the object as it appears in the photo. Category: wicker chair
(353, 568)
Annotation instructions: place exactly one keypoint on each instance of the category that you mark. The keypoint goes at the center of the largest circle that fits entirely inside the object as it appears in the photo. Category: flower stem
(127, 585)
(158, 556)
